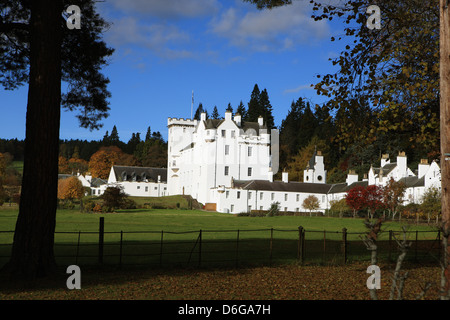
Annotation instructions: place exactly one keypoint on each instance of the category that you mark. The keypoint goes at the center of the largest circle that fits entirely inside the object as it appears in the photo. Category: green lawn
(143, 230)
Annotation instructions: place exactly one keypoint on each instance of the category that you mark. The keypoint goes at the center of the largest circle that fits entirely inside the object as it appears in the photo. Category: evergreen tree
(148, 135)
(254, 105)
(37, 48)
(215, 113)
(106, 141)
(200, 110)
(266, 108)
(229, 108)
(114, 137)
(241, 110)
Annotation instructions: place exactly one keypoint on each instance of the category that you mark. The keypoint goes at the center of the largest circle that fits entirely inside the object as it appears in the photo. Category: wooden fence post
(120, 249)
(161, 248)
(271, 246)
(200, 248)
(344, 244)
(101, 236)
(237, 249)
(390, 242)
(78, 247)
(301, 238)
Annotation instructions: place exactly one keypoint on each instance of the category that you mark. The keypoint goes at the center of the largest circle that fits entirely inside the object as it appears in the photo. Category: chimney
(260, 121)
(238, 119)
(402, 164)
(228, 115)
(384, 159)
(284, 177)
(270, 175)
(351, 177)
(203, 116)
(423, 168)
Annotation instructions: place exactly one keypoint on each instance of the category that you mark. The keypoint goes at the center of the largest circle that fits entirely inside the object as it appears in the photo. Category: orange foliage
(101, 162)
(70, 188)
(63, 165)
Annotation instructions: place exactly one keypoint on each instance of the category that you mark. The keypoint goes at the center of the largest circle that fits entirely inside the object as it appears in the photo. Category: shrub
(274, 209)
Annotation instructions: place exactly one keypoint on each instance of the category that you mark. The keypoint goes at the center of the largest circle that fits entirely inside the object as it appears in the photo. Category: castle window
(238, 195)
(249, 151)
(298, 197)
(272, 196)
(285, 197)
(223, 133)
(232, 133)
(249, 171)
(227, 149)
(260, 196)
(226, 170)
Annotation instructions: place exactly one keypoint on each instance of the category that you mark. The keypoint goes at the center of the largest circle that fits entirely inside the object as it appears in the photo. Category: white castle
(226, 164)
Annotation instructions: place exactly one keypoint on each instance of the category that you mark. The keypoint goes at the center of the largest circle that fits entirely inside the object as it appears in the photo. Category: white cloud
(277, 29)
(298, 89)
(161, 38)
(168, 8)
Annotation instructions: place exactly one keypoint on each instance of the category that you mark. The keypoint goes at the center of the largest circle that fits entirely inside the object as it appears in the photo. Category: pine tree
(114, 137)
(241, 110)
(229, 108)
(254, 105)
(199, 110)
(148, 135)
(215, 113)
(266, 108)
(38, 49)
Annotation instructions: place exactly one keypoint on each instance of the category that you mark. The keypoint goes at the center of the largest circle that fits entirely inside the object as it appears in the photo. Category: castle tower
(315, 170)
(180, 136)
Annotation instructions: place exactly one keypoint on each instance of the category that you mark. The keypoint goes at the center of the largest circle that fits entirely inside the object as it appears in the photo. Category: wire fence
(236, 248)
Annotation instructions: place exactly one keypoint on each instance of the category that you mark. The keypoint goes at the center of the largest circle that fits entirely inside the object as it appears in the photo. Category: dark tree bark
(32, 252)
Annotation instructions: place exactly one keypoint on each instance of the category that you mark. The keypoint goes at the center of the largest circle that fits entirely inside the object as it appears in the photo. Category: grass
(221, 242)
(321, 276)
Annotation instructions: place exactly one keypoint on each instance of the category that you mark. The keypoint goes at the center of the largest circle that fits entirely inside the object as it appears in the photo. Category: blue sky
(220, 49)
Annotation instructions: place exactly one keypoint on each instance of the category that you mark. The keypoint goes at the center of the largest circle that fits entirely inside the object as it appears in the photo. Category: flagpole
(192, 103)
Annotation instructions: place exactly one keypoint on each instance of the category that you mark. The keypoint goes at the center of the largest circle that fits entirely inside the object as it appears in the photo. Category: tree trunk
(32, 252)
(445, 135)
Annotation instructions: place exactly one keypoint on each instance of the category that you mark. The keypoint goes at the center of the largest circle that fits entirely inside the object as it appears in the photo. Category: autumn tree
(373, 199)
(355, 199)
(390, 75)
(77, 165)
(37, 48)
(311, 203)
(70, 189)
(393, 194)
(431, 203)
(63, 165)
(101, 162)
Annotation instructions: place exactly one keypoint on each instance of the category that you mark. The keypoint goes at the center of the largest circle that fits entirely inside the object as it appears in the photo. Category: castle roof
(130, 173)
